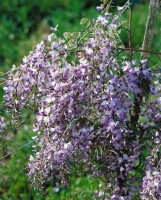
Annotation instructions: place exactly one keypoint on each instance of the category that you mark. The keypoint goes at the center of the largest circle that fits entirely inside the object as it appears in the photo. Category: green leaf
(71, 36)
(84, 20)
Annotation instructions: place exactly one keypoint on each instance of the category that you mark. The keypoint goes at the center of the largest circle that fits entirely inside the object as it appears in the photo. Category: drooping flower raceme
(83, 96)
(151, 188)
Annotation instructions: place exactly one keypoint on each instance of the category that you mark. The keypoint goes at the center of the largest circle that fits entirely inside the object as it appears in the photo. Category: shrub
(97, 112)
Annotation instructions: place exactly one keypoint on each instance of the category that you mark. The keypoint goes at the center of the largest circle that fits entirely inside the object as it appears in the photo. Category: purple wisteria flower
(83, 112)
(151, 186)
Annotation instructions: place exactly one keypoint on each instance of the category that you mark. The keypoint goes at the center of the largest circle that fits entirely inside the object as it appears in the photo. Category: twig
(141, 50)
(17, 149)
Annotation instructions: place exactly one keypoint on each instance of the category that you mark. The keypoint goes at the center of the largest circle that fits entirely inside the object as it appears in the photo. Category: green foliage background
(23, 23)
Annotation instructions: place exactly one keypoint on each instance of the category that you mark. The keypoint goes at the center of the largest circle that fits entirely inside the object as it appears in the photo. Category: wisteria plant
(97, 112)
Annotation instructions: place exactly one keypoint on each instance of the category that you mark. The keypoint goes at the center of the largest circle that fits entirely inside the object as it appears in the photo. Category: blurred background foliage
(23, 23)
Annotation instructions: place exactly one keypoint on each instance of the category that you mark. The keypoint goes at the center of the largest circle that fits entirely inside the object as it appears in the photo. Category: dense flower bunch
(83, 110)
(151, 185)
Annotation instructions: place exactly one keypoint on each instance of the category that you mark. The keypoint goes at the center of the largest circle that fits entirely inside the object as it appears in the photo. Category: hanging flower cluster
(151, 185)
(83, 98)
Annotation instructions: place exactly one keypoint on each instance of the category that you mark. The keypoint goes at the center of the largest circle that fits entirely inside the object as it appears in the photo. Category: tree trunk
(150, 27)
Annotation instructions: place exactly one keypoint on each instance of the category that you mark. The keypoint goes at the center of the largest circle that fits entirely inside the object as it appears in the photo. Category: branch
(141, 50)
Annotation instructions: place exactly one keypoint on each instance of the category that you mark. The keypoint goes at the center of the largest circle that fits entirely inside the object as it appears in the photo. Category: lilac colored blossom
(151, 186)
(99, 8)
(83, 110)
